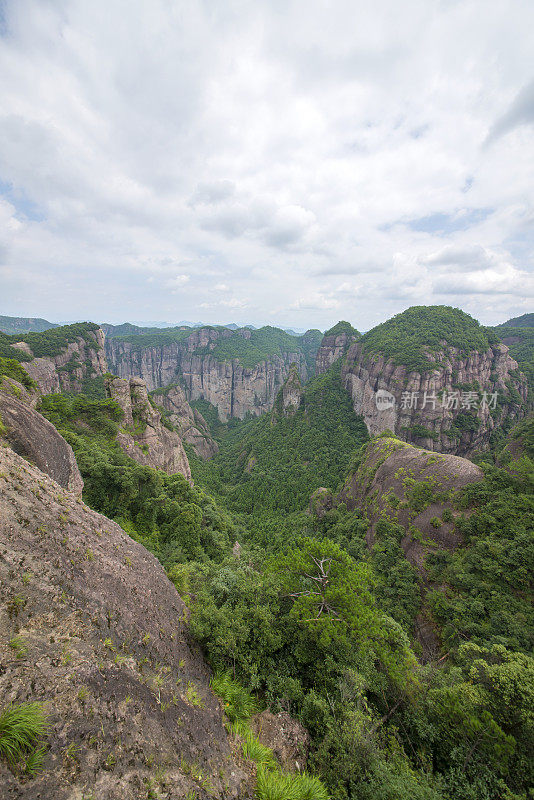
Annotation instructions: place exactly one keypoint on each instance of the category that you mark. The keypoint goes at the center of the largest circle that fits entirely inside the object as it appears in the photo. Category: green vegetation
(265, 343)
(18, 325)
(171, 518)
(312, 615)
(520, 342)
(412, 337)
(343, 327)
(273, 463)
(48, 343)
(21, 728)
(524, 321)
(11, 368)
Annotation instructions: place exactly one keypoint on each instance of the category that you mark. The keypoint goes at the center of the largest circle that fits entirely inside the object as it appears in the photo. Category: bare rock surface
(291, 393)
(143, 436)
(35, 439)
(285, 736)
(191, 425)
(332, 348)
(233, 389)
(456, 429)
(107, 652)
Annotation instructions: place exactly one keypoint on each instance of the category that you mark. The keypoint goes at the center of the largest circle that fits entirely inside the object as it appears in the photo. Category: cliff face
(236, 390)
(34, 438)
(158, 365)
(191, 425)
(332, 348)
(434, 408)
(143, 436)
(81, 359)
(291, 393)
(233, 389)
(104, 647)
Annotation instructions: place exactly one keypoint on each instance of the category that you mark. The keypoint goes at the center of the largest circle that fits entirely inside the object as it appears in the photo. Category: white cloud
(279, 151)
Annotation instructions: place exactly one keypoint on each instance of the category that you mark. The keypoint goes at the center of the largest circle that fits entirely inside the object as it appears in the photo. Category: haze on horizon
(267, 163)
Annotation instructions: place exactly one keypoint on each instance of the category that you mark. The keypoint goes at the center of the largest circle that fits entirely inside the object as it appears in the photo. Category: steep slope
(334, 345)
(34, 438)
(15, 325)
(239, 372)
(102, 643)
(189, 422)
(66, 358)
(269, 465)
(434, 376)
(142, 435)
(520, 344)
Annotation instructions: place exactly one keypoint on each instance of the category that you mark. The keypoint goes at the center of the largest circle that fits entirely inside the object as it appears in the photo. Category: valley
(214, 536)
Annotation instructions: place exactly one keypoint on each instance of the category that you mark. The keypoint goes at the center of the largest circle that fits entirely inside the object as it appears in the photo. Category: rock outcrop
(334, 345)
(34, 438)
(80, 359)
(441, 409)
(291, 394)
(398, 482)
(235, 390)
(143, 435)
(191, 425)
(285, 736)
(102, 643)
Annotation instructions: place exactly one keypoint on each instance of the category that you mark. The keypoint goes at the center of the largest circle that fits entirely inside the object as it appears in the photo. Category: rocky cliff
(34, 438)
(434, 376)
(143, 435)
(236, 390)
(189, 422)
(68, 365)
(233, 376)
(92, 629)
(444, 408)
(291, 395)
(334, 345)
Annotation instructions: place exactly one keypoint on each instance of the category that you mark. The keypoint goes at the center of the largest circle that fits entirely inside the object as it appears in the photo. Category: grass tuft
(21, 727)
(239, 704)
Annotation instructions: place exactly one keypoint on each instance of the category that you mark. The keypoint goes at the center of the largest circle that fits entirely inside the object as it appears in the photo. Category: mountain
(334, 345)
(518, 335)
(15, 325)
(435, 377)
(239, 372)
(524, 321)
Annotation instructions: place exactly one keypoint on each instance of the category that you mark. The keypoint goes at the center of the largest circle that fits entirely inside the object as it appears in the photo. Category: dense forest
(309, 616)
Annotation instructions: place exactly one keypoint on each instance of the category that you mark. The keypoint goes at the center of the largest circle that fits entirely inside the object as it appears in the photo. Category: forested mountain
(16, 325)
(374, 594)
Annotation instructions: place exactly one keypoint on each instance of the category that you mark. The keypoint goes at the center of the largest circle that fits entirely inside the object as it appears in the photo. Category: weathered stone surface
(191, 425)
(66, 372)
(291, 392)
(332, 348)
(107, 653)
(493, 371)
(35, 439)
(287, 738)
(143, 436)
(233, 389)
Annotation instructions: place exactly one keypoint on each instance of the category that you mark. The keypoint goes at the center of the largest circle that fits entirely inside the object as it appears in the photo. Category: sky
(266, 162)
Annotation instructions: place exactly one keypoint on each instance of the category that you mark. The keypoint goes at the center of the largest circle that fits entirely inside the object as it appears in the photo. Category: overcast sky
(275, 162)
